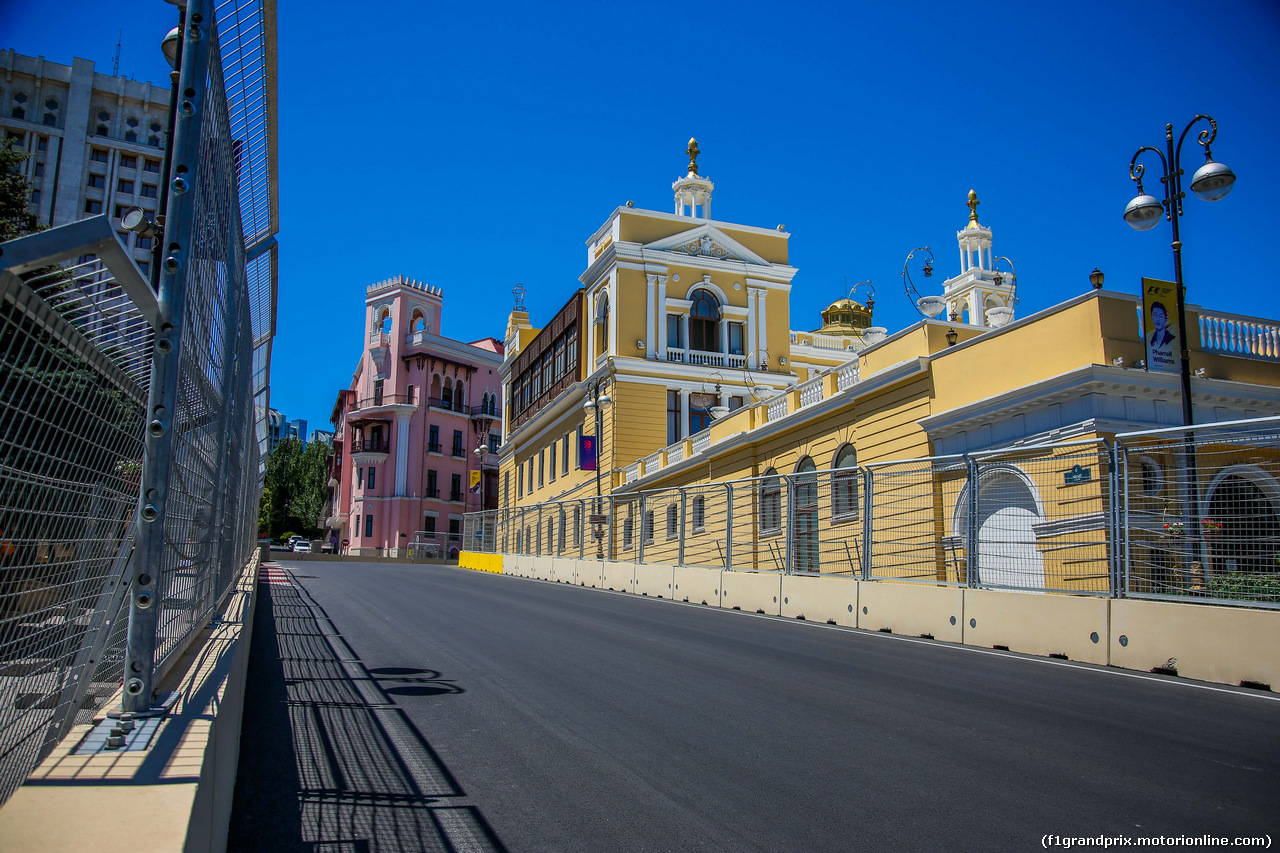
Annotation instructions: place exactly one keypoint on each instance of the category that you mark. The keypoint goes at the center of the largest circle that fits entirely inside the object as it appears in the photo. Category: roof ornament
(518, 292)
(973, 209)
(693, 155)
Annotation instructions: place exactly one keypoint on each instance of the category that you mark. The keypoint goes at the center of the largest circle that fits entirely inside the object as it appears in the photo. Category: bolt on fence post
(162, 400)
(971, 525)
(728, 537)
(867, 525)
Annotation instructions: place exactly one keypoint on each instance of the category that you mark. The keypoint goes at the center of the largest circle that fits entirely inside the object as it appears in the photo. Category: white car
(301, 546)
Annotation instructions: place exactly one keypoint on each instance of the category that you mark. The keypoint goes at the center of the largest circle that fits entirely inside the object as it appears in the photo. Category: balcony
(434, 447)
(382, 404)
(369, 450)
(455, 496)
(705, 359)
(433, 492)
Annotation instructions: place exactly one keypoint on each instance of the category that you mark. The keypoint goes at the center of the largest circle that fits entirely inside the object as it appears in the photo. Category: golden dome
(845, 316)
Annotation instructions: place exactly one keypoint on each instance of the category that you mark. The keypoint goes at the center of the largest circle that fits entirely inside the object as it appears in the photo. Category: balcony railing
(433, 492)
(455, 496)
(705, 359)
(434, 447)
(446, 405)
(361, 444)
(385, 400)
(459, 451)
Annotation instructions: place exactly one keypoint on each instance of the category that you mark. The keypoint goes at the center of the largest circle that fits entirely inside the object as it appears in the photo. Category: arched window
(647, 531)
(435, 386)
(844, 483)
(770, 502)
(805, 517)
(418, 322)
(704, 322)
(699, 513)
(19, 109)
(446, 394)
(385, 321)
(673, 521)
(628, 533)
(459, 398)
(602, 323)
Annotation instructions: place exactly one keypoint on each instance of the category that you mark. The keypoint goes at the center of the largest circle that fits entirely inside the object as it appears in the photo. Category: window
(700, 412)
(455, 487)
(495, 441)
(35, 197)
(51, 119)
(564, 456)
(735, 339)
(519, 482)
(673, 521)
(551, 539)
(368, 525)
(457, 443)
(128, 161)
(131, 136)
(530, 475)
(153, 141)
(564, 519)
(770, 502)
(541, 459)
(446, 394)
(147, 191)
(571, 349)
(372, 472)
(98, 182)
(506, 488)
(736, 403)
(844, 483)
(674, 340)
(378, 385)
(699, 514)
(1149, 477)
(628, 533)
(559, 358)
(39, 171)
(151, 166)
(359, 478)
(433, 439)
(433, 487)
(98, 155)
(602, 323)
(429, 525)
(413, 394)
(704, 322)
(92, 206)
(124, 185)
(375, 438)
(42, 143)
(18, 138)
(552, 466)
(459, 398)
(673, 417)
(578, 465)
(577, 526)
(120, 209)
(647, 527)
(805, 517)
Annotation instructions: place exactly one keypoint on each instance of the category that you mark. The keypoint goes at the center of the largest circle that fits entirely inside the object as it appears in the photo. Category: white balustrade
(778, 407)
(847, 376)
(632, 472)
(702, 441)
(675, 453)
(1234, 334)
(653, 463)
(810, 393)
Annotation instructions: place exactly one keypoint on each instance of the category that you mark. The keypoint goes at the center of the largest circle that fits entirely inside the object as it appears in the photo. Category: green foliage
(295, 493)
(15, 219)
(1250, 586)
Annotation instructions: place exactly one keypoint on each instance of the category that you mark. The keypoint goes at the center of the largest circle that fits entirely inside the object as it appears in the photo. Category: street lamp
(926, 306)
(597, 400)
(1211, 182)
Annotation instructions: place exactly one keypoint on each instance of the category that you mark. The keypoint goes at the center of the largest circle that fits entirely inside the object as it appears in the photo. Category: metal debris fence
(129, 434)
(1187, 514)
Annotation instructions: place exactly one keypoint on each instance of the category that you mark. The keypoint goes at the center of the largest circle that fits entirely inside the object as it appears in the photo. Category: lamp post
(1211, 182)
(926, 306)
(597, 399)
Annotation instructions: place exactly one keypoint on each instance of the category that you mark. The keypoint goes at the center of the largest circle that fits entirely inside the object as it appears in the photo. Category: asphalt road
(396, 707)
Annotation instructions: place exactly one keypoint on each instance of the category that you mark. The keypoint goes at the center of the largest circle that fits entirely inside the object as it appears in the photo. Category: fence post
(683, 529)
(971, 525)
(644, 528)
(162, 400)
(788, 537)
(867, 522)
(728, 537)
(1124, 556)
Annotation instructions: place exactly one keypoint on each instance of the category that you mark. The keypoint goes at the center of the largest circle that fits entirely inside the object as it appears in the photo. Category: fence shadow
(328, 762)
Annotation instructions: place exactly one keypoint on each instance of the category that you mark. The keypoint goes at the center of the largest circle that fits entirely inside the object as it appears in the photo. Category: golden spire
(693, 156)
(973, 209)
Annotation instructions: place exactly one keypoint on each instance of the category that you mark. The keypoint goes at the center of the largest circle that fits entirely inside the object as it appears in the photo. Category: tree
(294, 493)
(16, 219)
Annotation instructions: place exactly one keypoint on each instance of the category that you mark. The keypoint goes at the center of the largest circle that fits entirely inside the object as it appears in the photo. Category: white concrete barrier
(1225, 644)
(698, 586)
(820, 599)
(1072, 626)
(656, 580)
(619, 576)
(912, 609)
(754, 592)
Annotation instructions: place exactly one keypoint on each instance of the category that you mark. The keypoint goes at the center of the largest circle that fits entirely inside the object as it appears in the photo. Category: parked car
(328, 547)
(301, 546)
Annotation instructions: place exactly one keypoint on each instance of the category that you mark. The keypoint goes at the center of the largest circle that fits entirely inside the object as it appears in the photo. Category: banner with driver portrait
(1160, 325)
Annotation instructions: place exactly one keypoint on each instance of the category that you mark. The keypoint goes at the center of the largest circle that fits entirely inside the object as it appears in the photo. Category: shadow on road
(328, 762)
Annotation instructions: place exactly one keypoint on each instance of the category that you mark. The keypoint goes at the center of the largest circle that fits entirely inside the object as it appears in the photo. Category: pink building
(405, 465)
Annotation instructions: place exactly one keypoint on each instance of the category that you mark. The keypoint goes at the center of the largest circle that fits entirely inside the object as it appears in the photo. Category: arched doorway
(1243, 502)
(1008, 510)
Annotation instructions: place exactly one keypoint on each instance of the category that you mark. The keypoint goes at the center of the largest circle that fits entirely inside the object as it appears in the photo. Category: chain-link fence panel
(662, 525)
(1201, 517)
(1044, 519)
(707, 523)
(914, 530)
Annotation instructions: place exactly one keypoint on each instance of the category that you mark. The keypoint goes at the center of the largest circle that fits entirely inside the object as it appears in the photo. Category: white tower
(978, 288)
(693, 192)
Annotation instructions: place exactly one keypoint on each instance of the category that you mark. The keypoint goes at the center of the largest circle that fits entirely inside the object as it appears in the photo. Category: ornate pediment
(707, 241)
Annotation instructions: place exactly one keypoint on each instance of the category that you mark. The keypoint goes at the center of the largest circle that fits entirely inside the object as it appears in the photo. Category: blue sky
(475, 146)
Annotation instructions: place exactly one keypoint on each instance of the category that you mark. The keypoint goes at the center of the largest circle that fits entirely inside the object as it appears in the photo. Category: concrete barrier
(912, 609)
(175, 795)
(820, 599)
(619, 576)
(1226, 644)
(698, 586)
(1072, 626)
(655, 579)
(754, 592)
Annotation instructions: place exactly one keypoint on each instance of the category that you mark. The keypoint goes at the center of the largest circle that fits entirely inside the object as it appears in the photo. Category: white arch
(1009, 507)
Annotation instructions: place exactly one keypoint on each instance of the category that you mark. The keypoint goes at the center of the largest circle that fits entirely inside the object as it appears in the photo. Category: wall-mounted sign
(1077, 475)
